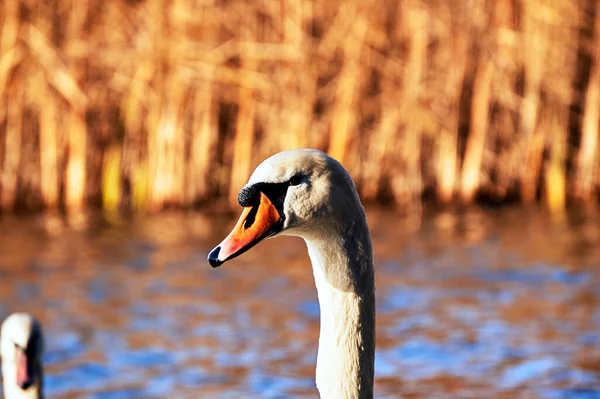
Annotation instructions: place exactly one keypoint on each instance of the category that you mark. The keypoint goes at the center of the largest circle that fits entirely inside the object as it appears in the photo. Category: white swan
(21, 348)
(308, 194)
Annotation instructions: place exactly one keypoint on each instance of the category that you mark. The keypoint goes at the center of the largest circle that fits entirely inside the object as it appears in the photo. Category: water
(494, 304)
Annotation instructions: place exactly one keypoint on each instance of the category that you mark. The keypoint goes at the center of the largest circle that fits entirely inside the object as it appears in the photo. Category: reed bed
(150, 104)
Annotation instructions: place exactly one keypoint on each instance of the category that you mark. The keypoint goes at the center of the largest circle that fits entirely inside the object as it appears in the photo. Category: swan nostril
(25, 384)
(213, 257)
(251, 217)
(249, 196)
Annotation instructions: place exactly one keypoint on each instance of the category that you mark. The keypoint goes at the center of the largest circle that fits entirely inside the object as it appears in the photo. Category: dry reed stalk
(380, 143)
(63, 79)
(299, 110)
(499, 166)
(555, 175)
(534, 161)
(178, 94)
(140, 190)
(111, 179)
(471, 166)
(10, 53)
(155, 143)
(75, 179)
(203, 143)
(284, 115)
(562, 22)
(159, 127)
(534, 55)
(293, 22)
(300, 77)
(67, 83)
(447, 151)
(205, 129)
(596, 173)
(446, 164)
(244, 138)
(49, 147)
(12, 150)
(28, 173)
(380, 136)
(10, 25)
(166, 154)
(165, 151)
(9, 60)
(407, 189)
(135, 162)
(587, 157)
(343, 121)
(231, 77)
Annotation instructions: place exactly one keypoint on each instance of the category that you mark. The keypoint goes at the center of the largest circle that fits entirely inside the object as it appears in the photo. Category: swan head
(21, 349)
(297, 192)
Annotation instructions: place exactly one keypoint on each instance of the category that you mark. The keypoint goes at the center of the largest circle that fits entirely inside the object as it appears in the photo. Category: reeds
(156, 103)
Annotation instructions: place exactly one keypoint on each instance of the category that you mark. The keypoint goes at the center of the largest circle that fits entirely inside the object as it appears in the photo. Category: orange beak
(24, 379)
(255, 223)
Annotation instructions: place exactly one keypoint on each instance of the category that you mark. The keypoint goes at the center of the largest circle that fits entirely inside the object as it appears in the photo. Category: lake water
(494, 304)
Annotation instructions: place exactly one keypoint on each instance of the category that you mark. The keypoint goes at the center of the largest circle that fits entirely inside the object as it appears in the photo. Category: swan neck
(345, 285)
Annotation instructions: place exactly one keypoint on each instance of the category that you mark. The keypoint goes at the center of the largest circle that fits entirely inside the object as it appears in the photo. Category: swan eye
(295, 180)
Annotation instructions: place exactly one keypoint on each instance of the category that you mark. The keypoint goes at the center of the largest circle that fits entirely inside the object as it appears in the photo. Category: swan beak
(255, 223)
(24, 379)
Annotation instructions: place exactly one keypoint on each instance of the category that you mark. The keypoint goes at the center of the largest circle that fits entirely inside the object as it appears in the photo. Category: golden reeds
(245, 127)
(471, 166)
(343, 119)
(587, 157)
(12, 150)
(455, 55)
(555, 174)
(158, 103)
(48, 147)
(528, 160)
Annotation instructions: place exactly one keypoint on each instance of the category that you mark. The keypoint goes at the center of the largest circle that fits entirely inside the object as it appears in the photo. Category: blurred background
(470, 128)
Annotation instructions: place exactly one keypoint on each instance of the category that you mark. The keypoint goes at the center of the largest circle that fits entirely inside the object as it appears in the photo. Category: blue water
(505, 307)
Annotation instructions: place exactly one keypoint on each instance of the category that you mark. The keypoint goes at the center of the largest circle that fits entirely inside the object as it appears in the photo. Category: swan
(21, 349)
(308, 194)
